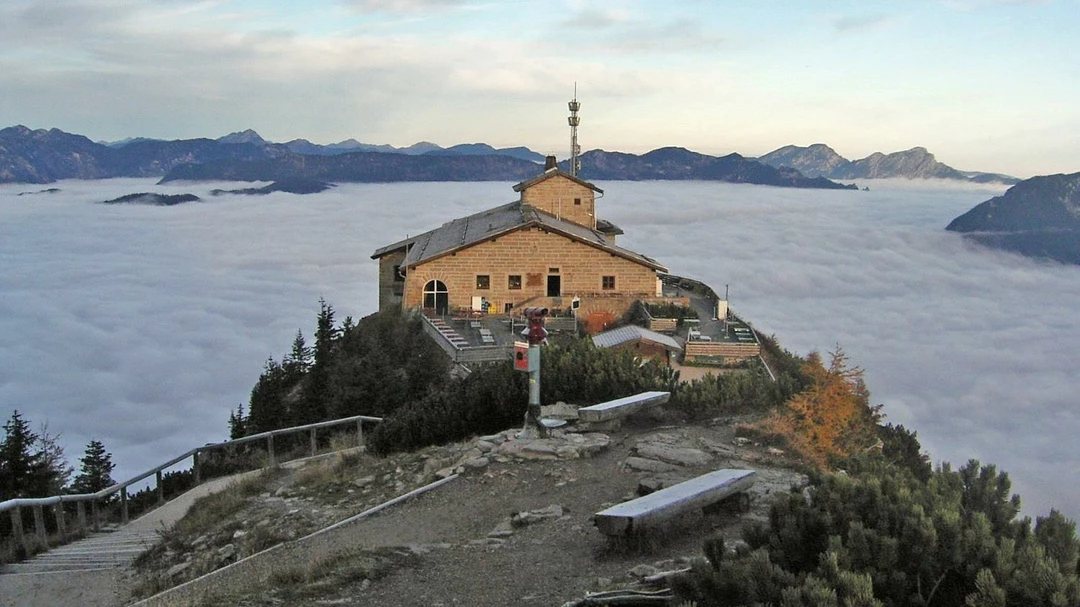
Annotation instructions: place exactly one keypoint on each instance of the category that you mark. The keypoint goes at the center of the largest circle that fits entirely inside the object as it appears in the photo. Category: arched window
(436, 296)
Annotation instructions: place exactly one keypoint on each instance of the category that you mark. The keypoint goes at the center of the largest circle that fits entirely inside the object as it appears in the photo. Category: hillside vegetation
(878, 525)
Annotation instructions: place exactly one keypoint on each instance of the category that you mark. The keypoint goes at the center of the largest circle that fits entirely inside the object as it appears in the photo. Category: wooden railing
(57, 502)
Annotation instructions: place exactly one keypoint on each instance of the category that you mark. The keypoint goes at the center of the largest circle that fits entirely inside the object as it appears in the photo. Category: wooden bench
(655, 508)
(621, 407)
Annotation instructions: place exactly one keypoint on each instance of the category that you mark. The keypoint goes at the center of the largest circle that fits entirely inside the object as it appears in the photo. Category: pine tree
(300, 357)
(95, 473)
(23, 470)
(317, 389)
(238, 423)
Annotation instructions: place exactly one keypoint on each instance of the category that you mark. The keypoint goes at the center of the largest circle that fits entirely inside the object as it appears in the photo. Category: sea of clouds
(144, 326)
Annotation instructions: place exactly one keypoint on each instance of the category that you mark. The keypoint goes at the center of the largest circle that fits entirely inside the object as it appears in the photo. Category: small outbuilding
(642, 342)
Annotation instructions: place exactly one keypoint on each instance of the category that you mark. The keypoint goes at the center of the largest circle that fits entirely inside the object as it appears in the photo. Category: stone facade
(563, 198)
(541, 259)
(391, 282)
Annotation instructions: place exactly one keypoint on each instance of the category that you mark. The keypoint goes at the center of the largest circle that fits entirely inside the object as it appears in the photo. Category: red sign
(521, 356)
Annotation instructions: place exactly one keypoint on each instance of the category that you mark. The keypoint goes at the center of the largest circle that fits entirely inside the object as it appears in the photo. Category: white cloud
(143, 327)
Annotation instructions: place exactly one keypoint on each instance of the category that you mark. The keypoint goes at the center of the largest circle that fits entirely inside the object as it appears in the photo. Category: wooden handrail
(38, 503)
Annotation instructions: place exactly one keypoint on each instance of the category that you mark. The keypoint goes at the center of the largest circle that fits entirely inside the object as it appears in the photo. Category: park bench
(621, 407)
(653, 509)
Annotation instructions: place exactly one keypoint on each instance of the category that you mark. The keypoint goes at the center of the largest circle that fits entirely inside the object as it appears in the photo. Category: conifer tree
(95, 473)
(23, 469)
(238, 423)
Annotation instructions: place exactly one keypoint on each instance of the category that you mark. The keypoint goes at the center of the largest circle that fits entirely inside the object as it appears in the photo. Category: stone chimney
(550, 163)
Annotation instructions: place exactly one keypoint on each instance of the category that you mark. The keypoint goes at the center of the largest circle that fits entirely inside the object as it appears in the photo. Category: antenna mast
(575, 105)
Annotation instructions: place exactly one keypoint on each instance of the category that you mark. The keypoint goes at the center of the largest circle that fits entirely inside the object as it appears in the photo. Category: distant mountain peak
(915, 163)
(245, 136)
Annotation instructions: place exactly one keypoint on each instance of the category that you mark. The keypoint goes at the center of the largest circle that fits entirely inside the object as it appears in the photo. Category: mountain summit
(820, 160)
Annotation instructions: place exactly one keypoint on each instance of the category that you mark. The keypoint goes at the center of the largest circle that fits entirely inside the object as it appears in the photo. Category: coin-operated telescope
(536, 333)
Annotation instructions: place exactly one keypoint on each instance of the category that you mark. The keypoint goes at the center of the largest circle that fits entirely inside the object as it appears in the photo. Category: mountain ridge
(1038, 217)
(44, 156)
(820, 160)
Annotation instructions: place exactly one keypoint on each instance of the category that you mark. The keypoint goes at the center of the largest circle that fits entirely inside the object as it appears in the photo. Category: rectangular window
(553, 270)
(514, 281)
(483, 281)
(577, 201)
(608, 283)
(508, 306)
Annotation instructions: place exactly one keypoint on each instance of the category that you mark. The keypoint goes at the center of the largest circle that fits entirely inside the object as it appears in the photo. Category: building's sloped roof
(390, 248)
(548, 174)
(606, 227)
(467, 231)
(631, 333)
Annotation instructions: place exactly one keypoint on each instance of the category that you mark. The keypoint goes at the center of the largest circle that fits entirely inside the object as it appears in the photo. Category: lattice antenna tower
(575, 120)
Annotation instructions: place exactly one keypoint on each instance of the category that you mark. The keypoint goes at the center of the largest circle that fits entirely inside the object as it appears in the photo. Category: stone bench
(655, 508)
(621, 407)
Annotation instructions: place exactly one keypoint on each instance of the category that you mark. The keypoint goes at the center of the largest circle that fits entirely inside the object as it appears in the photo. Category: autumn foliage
(830, 419)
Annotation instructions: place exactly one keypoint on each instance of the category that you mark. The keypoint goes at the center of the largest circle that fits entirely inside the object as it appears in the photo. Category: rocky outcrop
(1038, 217)
(153, 199)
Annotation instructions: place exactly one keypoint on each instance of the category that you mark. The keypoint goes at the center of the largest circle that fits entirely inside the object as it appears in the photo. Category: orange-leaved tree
(832, 418)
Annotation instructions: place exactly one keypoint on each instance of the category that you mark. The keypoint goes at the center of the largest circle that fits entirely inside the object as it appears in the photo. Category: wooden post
(80, 515)
(39, 526)
(95, 513)
(123, 506)
(195, 468)
(270, 449)
(17, 529)
(314, 444)
(359, 433)
(61, 524)
(160, 488)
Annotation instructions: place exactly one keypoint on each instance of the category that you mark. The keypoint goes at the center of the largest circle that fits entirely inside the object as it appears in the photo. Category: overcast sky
(984, 84)
(143, 327)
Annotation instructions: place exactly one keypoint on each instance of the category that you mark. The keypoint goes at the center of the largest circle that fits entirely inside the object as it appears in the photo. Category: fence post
(17, 528)
(195, 468)
(270, 448)
(61, 524)
(314, 443)
(80, 515)
(160, 488)
(39, 526)
(123, 506)
(359, 433)
(95, 513)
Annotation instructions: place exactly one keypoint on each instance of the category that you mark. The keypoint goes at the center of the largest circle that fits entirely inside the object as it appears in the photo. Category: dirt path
(447, 557)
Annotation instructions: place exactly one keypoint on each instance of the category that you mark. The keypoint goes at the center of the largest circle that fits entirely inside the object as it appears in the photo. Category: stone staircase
(110, 548)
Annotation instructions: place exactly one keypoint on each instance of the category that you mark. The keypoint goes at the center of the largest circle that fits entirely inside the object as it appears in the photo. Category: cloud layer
(143, 326)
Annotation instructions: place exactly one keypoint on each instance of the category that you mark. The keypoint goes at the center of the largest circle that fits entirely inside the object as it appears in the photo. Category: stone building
(547, 248)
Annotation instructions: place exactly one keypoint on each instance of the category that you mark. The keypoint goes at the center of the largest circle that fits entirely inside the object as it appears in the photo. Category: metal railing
(38, 505)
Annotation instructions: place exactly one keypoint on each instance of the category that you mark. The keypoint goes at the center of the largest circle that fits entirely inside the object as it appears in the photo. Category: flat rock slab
(569, 446)
(681, 456)
(654, 509)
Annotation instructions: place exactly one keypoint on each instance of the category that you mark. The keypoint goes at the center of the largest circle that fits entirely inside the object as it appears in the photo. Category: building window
(553, 270)
(436, 296)
(514, 281)
(508, 306)
(398, 276)
(608, 283)
(577, 201)
(483, 281)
